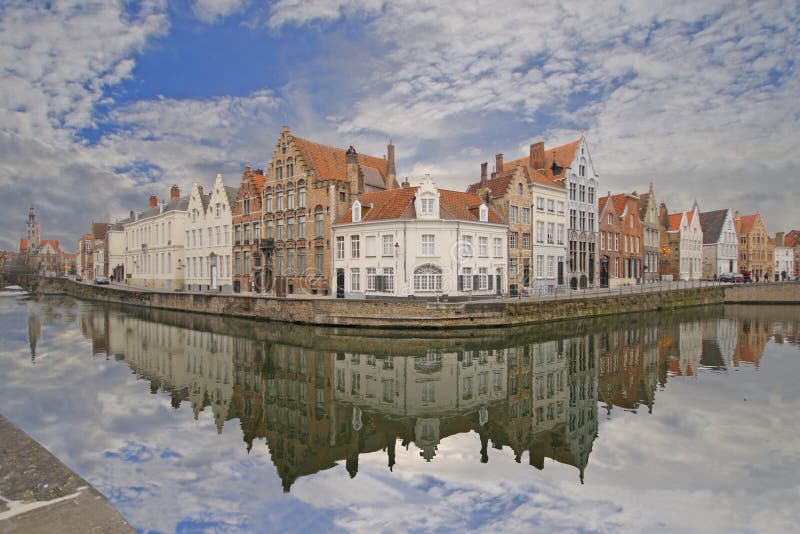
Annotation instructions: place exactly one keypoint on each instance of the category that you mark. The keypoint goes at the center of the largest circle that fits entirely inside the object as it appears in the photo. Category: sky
(103, 103)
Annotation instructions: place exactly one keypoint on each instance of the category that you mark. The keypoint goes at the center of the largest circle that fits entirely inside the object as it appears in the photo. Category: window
(560, 234)
(218, 233)
(610, 219)
(573, 218)
(551, 230)
(289, 168)
(355, 247)
(582, 193)
(526, 215)
(289, 228)
(591, 221)
(539, 266)
(513, 214)
(560, 207)
(428, 248)
(269, 203)
(270, 234)
(388, 279)
(540, 231)
(428, 390)
(582, 170)
(290, 199)
(356, 211)
(583, 220)
(388, 245)
(246, 262)
(340, 247)
(319, 259)
(540, 203)
(237, 234)
(483, 247)
(355, 279)
(573, 190)
(279, 170)
(227, 234)
(497, 244)
(318, 223)
(466, 279)
(526, 241)
(483, 279)
(519, 189)
(427, 206)
(427, 278)
(279, 201)
(301, 261)
(279, 233)
(246, 206)
(483, 213)
(371, 275)
(591, 195)
(301, 196)
(246, 235)
(512, 240)
(512, 267)
(466, 246)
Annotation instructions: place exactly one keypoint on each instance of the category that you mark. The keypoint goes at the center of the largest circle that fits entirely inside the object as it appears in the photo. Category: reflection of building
(750, 341)
(719, 343)
(629, 363)
(34, 333)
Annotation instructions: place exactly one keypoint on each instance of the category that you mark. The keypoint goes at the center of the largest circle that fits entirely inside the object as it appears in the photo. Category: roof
(258, 180)
(674, 221)
(399, 204)
(644, 200)
(180, 204)
(620, 202)
(52, 242)
(23, 244)
(712, 222)
(746, 222)
(330, 162)
(231, 194)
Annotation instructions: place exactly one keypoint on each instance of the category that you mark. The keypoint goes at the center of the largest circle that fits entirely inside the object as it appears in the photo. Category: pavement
(38, 493)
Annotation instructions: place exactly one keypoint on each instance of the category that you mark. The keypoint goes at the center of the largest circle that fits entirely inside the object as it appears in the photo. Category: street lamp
(213, 262)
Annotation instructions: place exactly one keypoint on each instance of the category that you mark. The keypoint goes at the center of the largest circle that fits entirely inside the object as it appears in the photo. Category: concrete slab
(38, 493)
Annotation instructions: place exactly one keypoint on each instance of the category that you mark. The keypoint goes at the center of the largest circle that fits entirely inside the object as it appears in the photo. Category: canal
(679, 421)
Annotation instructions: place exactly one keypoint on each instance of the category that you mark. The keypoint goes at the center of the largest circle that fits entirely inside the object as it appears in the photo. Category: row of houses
(330, 222)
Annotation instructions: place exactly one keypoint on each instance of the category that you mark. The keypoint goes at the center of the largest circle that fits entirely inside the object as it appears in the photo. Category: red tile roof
(52, 242)
(746, 223)
(258, 180)
(620, 201)
(23, 244)
(399, 204)
(330, 163)
(675, 221)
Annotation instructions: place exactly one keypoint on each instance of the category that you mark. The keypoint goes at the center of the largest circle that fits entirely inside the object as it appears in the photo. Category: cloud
(211, 10)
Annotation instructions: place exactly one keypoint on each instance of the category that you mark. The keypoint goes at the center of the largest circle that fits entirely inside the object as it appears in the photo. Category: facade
(648, 214)
(681, 244)
(115, 251)
(620, 240)
(581, 181)
(98, 258)
(85, 257)
(549, 223)
(720, 245)
(793, 240)
(41, 255)
(207, 238)
(784, 257)
(419, 241)
(753, 245)
(246, 215)
(307, 187)
(508, 192)
(154, 248)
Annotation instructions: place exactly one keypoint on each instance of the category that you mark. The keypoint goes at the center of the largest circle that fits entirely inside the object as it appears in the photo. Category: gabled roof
(644, 201)
(712, 223)
(330, 162)
(258, 180)
(230, 192)
(52, 242)
(179, 204)
(620, 203)
(675, 222)
(746, 222)
(23, 244)
(497, 185)
(399, 204)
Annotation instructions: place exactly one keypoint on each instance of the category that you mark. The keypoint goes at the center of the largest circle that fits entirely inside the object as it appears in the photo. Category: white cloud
(211, 10)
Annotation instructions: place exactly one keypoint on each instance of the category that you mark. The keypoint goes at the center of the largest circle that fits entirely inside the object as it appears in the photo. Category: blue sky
(102, 103)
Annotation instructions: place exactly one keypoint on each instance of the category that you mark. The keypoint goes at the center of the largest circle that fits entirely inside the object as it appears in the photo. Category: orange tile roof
(620, 201)
(258, 180)
(399, 204)
(746, 223)
(330, 163)
(23, 244)
(689, 216)
(52, 242)
(675, 221)
(497, 185)
(601, 204)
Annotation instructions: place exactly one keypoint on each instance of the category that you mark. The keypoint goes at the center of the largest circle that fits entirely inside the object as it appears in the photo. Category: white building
(784, 256)
(207, 238)
(154, 254)
(115, 246)
(581, 181)
(720, 243)
(98, 258)
(686, 227)
(419, 241)
(549, 221)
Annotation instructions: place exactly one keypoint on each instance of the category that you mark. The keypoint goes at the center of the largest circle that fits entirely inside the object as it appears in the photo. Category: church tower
(34, 235)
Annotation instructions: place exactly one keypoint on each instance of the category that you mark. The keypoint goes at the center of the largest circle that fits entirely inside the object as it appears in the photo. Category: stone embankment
(419, 313)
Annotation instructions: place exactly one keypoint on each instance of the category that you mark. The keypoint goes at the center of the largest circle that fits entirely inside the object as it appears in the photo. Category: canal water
(680, 421)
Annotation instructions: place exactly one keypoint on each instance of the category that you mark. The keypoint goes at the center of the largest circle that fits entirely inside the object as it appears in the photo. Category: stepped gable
(329, 163)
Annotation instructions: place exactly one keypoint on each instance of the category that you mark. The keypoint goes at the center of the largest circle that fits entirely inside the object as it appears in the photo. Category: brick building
(753, 245)
(620, 264)
(648, 214)
(246, 215)
(306, 188)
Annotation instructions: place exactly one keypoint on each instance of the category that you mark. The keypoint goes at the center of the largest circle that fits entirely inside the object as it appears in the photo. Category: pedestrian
(766, 277)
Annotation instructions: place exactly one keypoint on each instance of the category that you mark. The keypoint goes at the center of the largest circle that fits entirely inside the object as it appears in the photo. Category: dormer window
(356, 211)
(519, 189)
(427, 206)
(483, 213)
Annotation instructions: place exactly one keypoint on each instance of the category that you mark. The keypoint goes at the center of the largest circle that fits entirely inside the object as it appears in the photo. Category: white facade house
(549, 223)
(784, 258)
(98, 258)
(115, 246)
(207, 238)
(690, 253)
(419, 241)
(720, 243)
(154, 254)
(581, 181)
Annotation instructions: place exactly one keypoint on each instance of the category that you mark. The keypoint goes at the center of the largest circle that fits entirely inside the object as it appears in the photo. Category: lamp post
(212, 259)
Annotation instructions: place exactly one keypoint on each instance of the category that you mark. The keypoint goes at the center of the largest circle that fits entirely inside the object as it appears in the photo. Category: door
(560, 273)
(604, 271)
(339, 283)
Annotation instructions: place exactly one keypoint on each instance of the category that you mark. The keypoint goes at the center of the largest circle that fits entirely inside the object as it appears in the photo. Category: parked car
(101, 280)
(731, 277)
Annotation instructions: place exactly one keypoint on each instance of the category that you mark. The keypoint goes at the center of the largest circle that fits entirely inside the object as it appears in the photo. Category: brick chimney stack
(484, 177)
(779, 239)
(405, 184)
(153, 200)
(391, 171)
(352, 171)
(537, 156)
(498, 164)
(174, 193)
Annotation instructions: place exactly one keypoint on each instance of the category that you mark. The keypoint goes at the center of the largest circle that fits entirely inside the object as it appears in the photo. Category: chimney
(174, 193)
(537, 156)
(779, 241)
(484, 180)
(200, 190)
(132, 214)
(405, 184)
(153, 200)
(352, 171)
(391, 172)
(498, 163)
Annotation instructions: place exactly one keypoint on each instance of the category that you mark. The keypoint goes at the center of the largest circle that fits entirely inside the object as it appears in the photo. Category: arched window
(279, 170)
(289, 167)
(301, 195)
(427, 278)
(289, 196)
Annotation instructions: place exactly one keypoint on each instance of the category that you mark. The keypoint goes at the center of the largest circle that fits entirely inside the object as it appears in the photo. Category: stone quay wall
(419, 313)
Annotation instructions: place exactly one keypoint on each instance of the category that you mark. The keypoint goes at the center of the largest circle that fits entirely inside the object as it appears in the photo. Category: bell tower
(34, 235)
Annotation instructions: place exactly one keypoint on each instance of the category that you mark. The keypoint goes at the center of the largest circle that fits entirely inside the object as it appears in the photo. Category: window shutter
(460, 282)
(490, 281)
(475, 279)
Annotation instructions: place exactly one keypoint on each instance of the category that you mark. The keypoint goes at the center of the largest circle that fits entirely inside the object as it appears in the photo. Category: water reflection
(325, 396)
